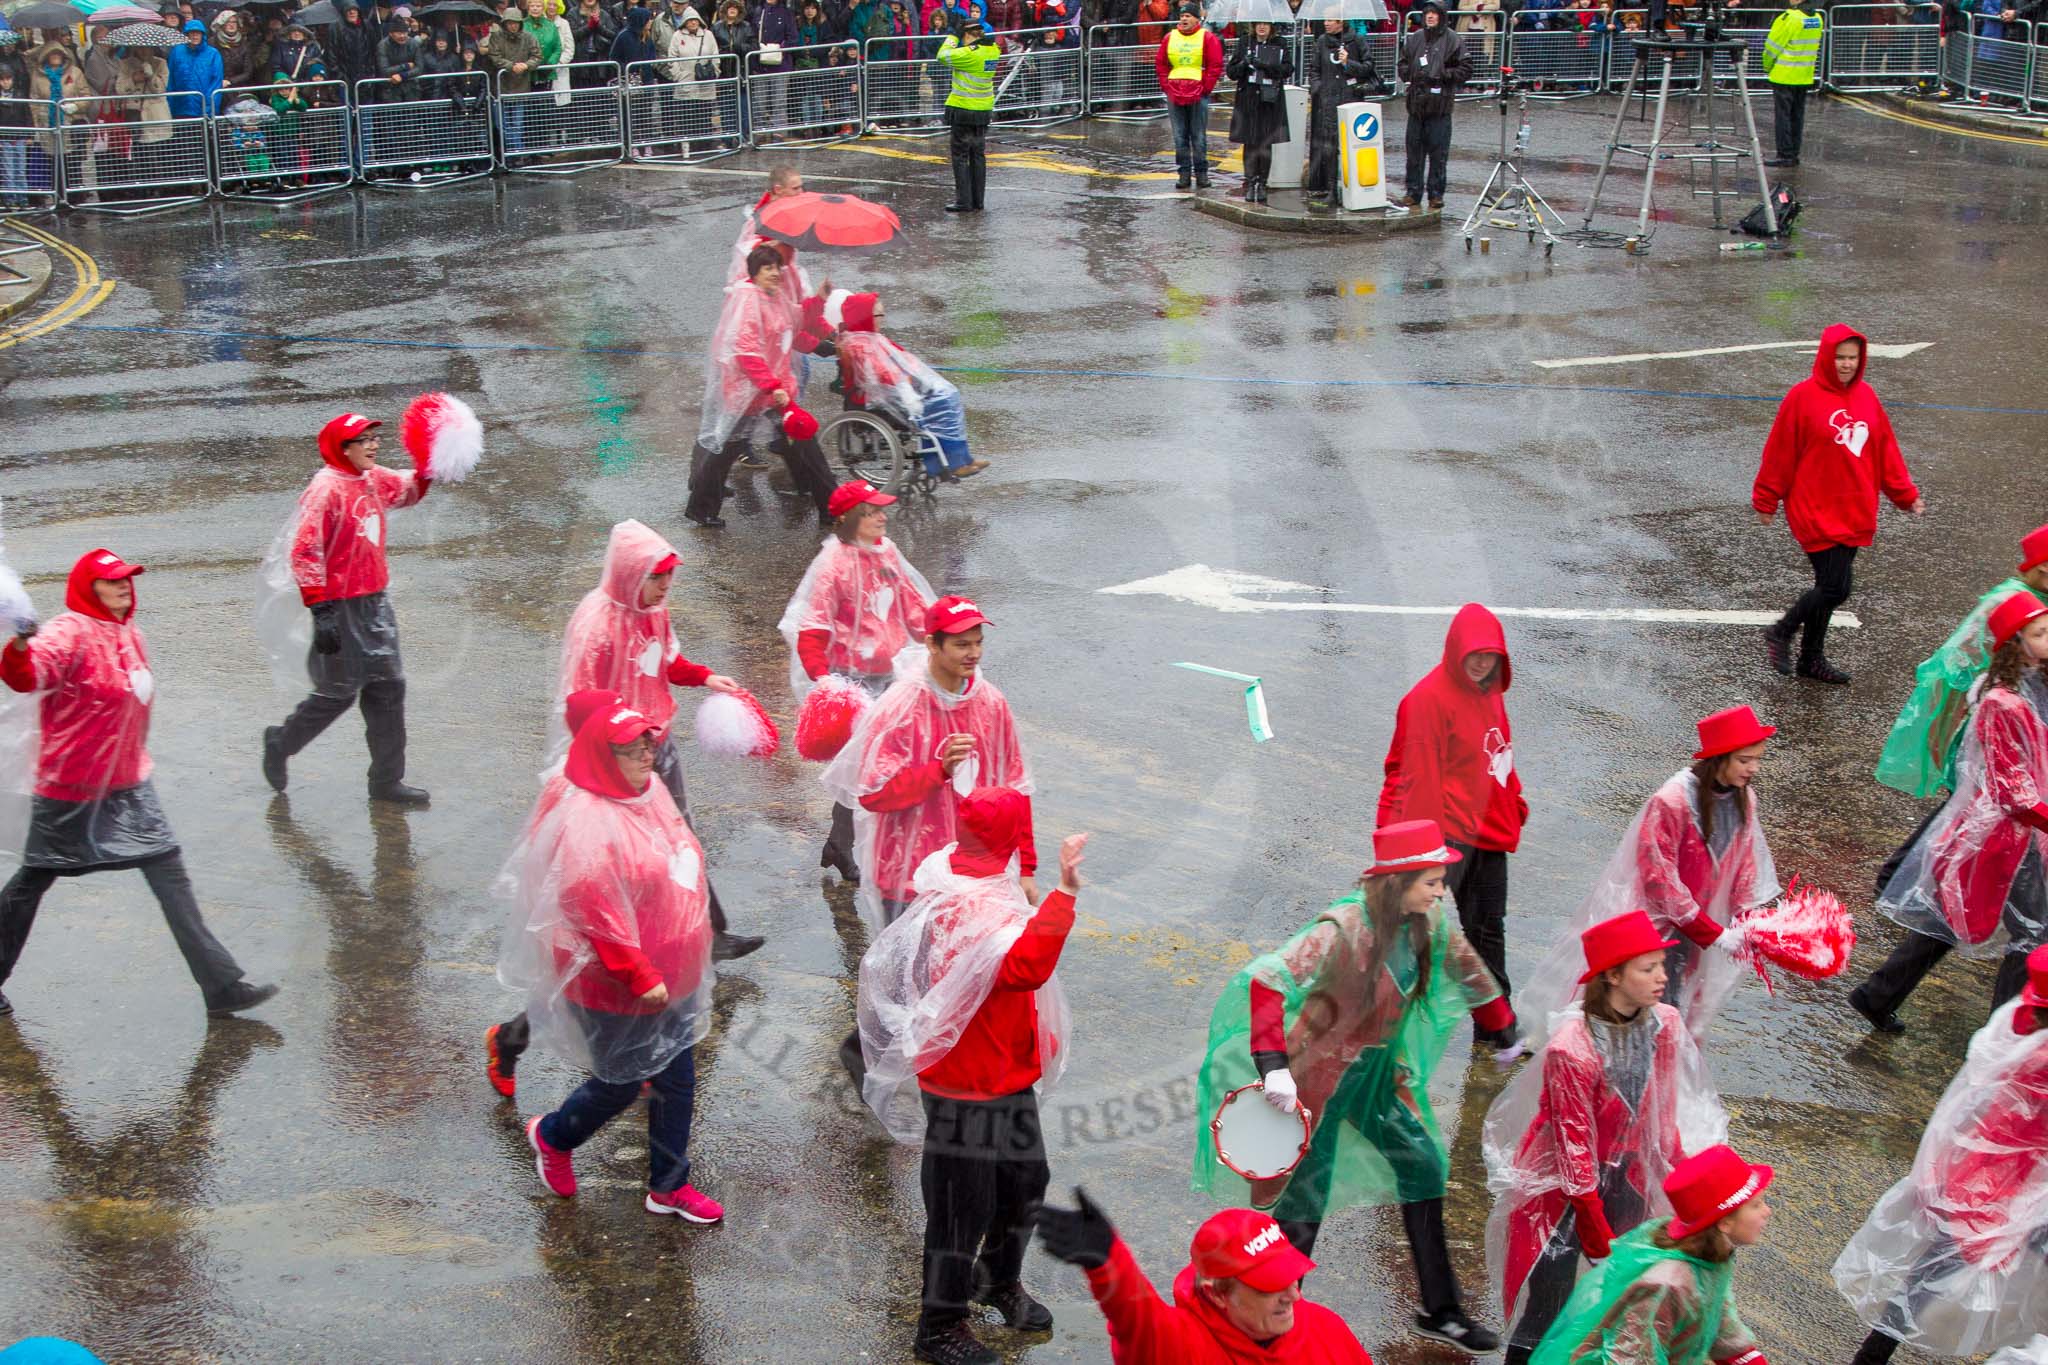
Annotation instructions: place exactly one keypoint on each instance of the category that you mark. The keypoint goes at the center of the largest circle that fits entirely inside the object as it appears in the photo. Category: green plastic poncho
(1361, 1053)
(1648, 1305)
(1919, 756)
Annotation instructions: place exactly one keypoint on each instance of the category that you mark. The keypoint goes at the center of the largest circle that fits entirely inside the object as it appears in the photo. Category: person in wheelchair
(878, 375)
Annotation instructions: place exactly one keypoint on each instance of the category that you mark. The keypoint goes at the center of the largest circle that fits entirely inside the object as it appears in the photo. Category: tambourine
(1256, 1140)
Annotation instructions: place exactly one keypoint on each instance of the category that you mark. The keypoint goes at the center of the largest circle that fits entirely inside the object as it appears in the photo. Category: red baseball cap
(623, 725)
(951, 615)
(666, 563)
(108, 567)
(1246, 1245)
(848, 496)
(344, 429)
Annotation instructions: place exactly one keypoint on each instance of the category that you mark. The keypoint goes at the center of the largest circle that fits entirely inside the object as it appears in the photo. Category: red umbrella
(834, 222)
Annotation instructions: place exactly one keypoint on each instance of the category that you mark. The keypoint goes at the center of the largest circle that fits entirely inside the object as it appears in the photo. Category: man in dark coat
(1434, 64)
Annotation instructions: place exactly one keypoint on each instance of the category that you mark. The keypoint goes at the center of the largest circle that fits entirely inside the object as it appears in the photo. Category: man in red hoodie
(1452, 760)
(1829, 452)
(1189, 62)
(1239, 1298)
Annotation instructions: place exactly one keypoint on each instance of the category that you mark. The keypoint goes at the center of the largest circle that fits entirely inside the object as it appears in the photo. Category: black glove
(326, 630)
(826, 350)
(1080, 1236)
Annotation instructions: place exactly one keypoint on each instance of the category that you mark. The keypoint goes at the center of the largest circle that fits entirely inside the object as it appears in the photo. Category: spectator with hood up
(1434, 64)
(196, 74)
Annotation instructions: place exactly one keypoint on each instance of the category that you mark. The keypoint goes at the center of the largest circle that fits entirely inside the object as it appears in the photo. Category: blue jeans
(14, 166)
(1190, 135)
(514, 116)
(945, 422)
(669, 1109)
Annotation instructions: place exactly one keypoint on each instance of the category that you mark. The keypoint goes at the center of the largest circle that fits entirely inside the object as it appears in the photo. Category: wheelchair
(890, 454)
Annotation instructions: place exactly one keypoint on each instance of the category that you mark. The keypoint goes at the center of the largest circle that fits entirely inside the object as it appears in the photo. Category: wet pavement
(335, 1182)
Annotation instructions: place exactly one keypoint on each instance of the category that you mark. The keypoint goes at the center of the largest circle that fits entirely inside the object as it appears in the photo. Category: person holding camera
(1338, 69)
(1433, 64)
(970, 54)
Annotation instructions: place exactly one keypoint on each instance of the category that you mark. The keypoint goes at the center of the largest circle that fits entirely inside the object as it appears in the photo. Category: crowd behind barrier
(292, 139)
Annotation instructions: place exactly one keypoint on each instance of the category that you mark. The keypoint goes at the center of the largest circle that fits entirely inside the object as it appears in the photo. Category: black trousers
(1258, 163)
(1479, 886)
(383, 705)
(1788, 109)
(984, 1171)
(211, 964)
(840, 840)
(1832, 579)
(1556, 1272)
(1423, 1221)
(809, 473)
(970, 163)
(1428, 139)
(1916, 955)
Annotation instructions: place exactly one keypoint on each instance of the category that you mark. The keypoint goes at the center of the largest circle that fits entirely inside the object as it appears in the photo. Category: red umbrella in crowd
(834, 222)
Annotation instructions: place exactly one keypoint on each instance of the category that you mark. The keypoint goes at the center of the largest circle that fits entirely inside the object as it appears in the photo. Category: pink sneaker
(557, 1169)
(689, 1202)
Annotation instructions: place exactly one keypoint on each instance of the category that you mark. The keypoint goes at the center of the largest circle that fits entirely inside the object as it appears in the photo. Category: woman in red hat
(1347, 1020)
(1694, 857)
(1976, 871)
(94, 807)
(1954, 1259)
(860, 604)
(1577, 1148)
(1667, 1293)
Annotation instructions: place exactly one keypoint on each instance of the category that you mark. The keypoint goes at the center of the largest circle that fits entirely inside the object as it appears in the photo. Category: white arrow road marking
(1230, 591)
(1895, 350)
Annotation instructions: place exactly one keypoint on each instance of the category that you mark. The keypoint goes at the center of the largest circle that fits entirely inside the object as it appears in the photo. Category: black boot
(726, 946)
(957, 1345)
(399, 794)
(1202, 175)
(1778, 649)
(238, 997)
(841, 861)
(1820, 670)
(273, 757)
(1020, 1311)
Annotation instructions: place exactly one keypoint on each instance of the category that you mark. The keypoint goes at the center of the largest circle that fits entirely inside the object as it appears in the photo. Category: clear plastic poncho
(750, 345)
(925, 977)
(892, 380)
(608, 896)
(1606, 1110)
(2034, 1352)
(74, 731)
(1664, 866)
(1954, 1259)
(1919, 755)
(868, 598)
(613, 642)
(1960, 880)
(1648, 1305)
(904, 729)
(1361, 1052)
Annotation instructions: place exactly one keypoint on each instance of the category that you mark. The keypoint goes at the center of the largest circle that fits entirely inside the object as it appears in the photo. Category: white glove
(1732, 940)
(1512, 1053)
(1280, 1091)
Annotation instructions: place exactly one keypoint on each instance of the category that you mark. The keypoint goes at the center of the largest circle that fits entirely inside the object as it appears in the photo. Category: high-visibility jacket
(972, 65)
(1184, 55)
(1792, 48)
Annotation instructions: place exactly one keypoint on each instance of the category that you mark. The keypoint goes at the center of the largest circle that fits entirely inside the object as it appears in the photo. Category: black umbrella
(456, 7)
(46, 14)
(313, 16)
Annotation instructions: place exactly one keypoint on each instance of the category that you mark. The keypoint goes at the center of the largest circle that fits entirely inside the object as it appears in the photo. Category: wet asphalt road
(335, 1182)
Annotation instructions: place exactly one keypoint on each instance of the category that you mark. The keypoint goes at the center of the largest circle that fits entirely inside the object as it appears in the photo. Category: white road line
(1891, 350)
(1226, 590)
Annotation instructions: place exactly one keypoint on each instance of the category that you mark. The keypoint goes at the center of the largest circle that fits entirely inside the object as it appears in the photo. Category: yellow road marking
(88, 290)
(1896, 117)
(1030, 161)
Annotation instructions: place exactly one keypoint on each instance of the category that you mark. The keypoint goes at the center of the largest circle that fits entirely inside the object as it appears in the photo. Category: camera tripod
(1515, 205)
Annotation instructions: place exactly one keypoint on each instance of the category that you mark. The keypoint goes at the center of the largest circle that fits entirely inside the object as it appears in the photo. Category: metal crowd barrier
(803, 98)
(1569, 60)
(673, 121)
(262, 151)
(120, 165)
(30, 177)
(1753, 39)
(440, 136)
(1865, 55)
(586, 123)
(1122, 85)
(1986, 67)
(905, 89)
(1041, 86)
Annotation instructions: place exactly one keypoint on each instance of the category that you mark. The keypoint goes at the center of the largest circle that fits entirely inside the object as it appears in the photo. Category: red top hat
(2035, 992)
(1244, 1244)
(1409, 847)
(1615, 941)
(1709, 1186)
(2013, 613)
(2034, 549)
(1726, 731)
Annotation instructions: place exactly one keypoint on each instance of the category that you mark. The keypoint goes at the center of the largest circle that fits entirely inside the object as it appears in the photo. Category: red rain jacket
(338, 549)
(1452, 758)
(1143, 1330)
(93, 671)
(1829, 452)
(1189, 92)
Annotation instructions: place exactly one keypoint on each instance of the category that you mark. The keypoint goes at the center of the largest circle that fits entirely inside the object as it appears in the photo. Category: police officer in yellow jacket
(971, 55)
(1791, 51)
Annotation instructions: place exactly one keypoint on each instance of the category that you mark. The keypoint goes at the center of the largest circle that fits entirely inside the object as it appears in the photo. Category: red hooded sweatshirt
(93, 671)
(338, 547)
(1829, 452)
(1452, 759)
(1144, 1331)
(998, 1050)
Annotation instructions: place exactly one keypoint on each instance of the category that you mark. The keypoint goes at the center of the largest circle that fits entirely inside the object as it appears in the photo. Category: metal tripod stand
(1515, 206)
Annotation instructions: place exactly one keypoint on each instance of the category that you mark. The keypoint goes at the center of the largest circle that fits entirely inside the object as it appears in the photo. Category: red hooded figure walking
(333, 552)
(1452, 760)
(94, 808)
(1830, 451)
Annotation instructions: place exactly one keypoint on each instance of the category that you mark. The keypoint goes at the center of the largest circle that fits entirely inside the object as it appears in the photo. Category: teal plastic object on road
(1254, 698)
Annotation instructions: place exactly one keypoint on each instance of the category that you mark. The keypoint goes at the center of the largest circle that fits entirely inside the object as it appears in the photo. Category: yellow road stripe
(1030, 161)
(1896, 117)
(88, 290)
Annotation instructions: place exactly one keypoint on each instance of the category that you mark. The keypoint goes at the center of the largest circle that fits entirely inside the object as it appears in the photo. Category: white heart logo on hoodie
(880, 600)
(683, 867)
(650, 658)
(141, 684)
(964, 773)
(373, 529)
(1853, 436)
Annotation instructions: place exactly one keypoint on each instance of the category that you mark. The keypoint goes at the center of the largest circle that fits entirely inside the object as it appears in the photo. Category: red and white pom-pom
(825, 721)
(1807, 931)
(443, 436)
(735, 725)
